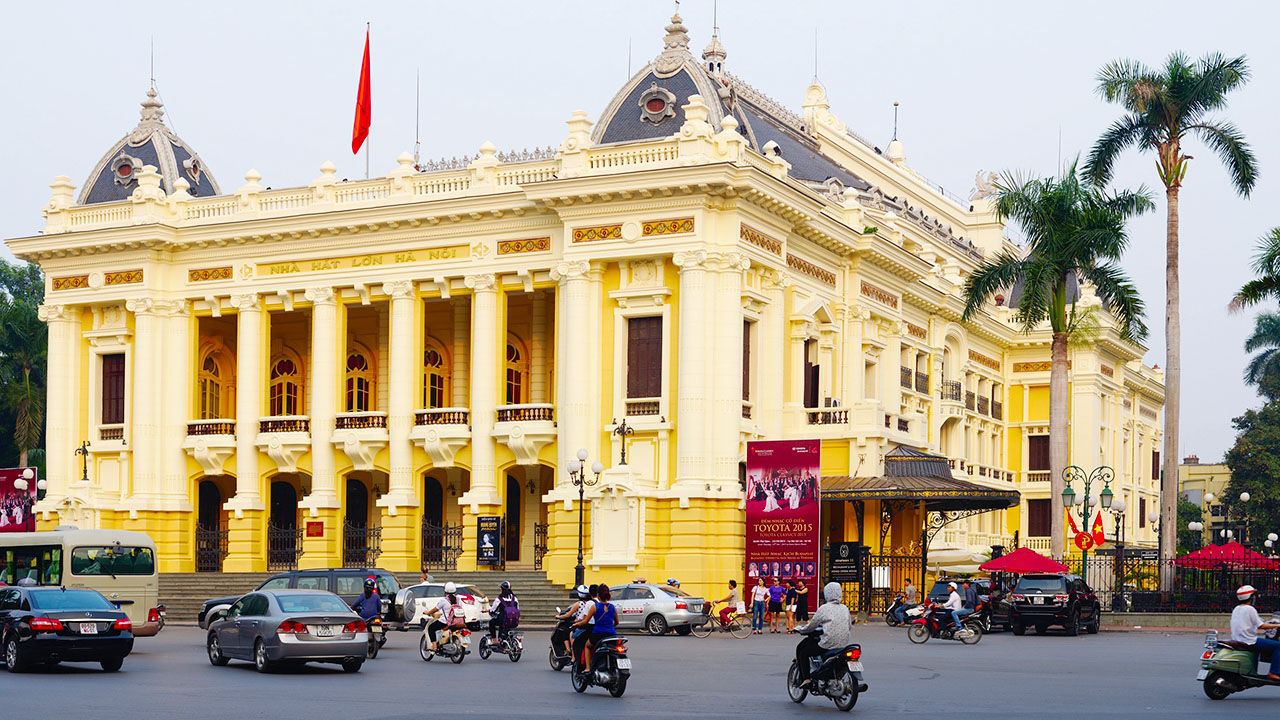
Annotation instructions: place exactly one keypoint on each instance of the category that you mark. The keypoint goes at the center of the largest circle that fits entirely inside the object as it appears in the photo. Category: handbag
(791, 608)
(741, 609)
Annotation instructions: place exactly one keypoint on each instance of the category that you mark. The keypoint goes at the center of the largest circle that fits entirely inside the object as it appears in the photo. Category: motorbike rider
(498, 611)
(837, 630)
(561, 635)
(582, 622)
(908, 601)
(1245, 625)
(601, 614)
(369, 604)
(450, 612)
(968, 596)
(954, 603)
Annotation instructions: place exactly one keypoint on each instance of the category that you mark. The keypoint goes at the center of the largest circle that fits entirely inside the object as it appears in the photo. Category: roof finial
(152, 108)
(714, 53)
(153, 62)
(895, 120)
(675, 46)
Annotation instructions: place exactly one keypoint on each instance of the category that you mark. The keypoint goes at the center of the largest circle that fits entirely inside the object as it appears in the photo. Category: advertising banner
(782, 513)
(15, 504)
(489, 540)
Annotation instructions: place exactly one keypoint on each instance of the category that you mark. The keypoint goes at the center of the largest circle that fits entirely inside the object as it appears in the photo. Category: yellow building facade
(355, 371)
(1205, 486)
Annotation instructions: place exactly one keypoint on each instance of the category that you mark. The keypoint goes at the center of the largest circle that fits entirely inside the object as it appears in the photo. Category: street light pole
(1102, 474)
(578, 476)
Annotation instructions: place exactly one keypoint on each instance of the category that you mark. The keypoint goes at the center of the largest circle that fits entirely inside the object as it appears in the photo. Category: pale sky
(991, 86)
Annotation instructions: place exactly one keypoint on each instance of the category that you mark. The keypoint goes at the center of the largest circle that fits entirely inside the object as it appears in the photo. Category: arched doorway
(432, 501)
(284, 505)
(513, 520)
(211, 539)
(357, 503)
(209, 506)
(284, 540)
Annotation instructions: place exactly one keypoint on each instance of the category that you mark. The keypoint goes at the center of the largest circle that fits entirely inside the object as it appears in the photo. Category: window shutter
(644, 357)
(746, 360)
(1155, 465)
(1038, 520)
(1038, 449)
(112, 389)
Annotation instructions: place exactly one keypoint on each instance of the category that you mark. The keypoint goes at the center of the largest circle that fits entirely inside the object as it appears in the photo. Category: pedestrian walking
(790, 600)
(776, 593)
(759, 596)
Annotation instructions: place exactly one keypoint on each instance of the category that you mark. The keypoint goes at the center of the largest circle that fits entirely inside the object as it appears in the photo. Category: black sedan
(47, 625)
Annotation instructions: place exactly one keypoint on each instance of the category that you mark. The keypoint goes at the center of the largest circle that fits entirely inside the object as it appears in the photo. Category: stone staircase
(182, 594)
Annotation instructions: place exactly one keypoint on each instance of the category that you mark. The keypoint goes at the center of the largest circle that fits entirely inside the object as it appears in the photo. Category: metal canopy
(939, 494)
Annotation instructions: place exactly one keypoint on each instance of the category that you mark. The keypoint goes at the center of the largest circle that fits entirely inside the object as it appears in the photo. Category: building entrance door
(513, 520)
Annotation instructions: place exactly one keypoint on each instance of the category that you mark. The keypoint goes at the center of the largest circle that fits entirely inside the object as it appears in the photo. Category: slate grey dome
(115, 177)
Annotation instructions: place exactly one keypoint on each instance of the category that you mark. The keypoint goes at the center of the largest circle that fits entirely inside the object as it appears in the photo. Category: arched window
(286, 386)
(359, 382)
(515, 375)
(210, 389)
(435, 379)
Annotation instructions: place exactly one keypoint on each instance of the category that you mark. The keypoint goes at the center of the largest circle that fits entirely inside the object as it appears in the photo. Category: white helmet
(951, 585)
(450, 588)
(1245, 592)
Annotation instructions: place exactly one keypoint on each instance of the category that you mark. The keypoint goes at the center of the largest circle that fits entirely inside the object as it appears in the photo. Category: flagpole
(367, 26)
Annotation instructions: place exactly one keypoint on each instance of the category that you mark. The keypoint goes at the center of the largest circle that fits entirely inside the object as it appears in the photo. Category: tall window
(1155, 464)
(811, 375)
(1142, 512)
(1038, 517)
(284, 387)
(210, 389)
(746, 360)
(644, 357)
(359, 382)
(434, 380)
(1038, 450)
(113, 389)
(515, 375)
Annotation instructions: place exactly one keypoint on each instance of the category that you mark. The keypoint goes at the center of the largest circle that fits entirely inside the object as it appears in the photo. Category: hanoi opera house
(355, 372)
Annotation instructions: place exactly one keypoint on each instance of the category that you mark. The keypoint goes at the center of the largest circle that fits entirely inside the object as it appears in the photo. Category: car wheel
(111, 664)
(1073, 625)
(352, 666)
(1018, 630)
(215, 651)
(656, 624)
(260, 660)
(1042, 629)
(13, 655)
(1096, 624)
(684, 630)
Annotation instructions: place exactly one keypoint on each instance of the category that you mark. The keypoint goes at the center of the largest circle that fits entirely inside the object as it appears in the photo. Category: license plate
(624, 663)
(1037, 600)
(325, 630)
(115, 605)
(88, 628)
(855, 666)
(696, 607)
(1204, 673)
(465, 641)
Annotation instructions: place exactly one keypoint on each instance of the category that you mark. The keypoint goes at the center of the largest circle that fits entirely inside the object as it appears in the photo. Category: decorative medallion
(879, 295)
(981, 359)
(667, 227)
(515, 247)
(657, 104)
(207, 274)
(72, 282)
(599, 232)
(246, 271)
(123, 277)
(759, 239)
(192, 168)
(479, 250)
(125, 169)
(808, 268)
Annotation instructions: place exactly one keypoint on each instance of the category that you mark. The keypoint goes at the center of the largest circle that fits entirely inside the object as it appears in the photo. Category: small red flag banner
(1099, 534)
(364, 103)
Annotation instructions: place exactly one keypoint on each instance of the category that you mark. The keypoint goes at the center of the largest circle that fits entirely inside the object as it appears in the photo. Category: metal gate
(284, 547)
(361, 546)
(441, 545)
(539, 544)
(211, 548)
(880, 578)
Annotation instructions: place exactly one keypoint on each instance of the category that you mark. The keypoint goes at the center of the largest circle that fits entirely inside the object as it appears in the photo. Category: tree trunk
(1059, 440)
(22, 458)
(1172, 384)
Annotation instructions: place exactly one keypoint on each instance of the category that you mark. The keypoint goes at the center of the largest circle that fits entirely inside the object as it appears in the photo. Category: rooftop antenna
(417, 118)
(1060, 148)
(815, 53)
(895, 119)
(153, 62)
(628, 56)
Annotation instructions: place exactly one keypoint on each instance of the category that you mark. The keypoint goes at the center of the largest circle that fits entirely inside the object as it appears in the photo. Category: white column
(854, 358)
(249, 381)
(572, 397)
(768, 354)
(61, 411)
(538, 349)
(458, 381)
(692, 402)
(324, 397)
(484, 386)
(178, 367)
(726, 373)
(145, 418)
(403, 390)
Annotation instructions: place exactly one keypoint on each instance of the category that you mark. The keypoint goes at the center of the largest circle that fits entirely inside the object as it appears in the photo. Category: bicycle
(739, 624)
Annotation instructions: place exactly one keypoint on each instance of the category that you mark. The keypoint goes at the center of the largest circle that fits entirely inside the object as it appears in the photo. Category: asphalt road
(1114, 674)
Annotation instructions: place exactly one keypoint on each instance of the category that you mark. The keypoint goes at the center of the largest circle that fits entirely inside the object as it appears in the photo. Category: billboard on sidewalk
(15, 504)
(783, 507)
(489, 540)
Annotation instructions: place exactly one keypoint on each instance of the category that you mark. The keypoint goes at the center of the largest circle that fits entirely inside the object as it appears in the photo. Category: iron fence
(441, 545)
(361, 545)
(211, 548)
(878, 581)
(1136, 584)
(539, 544)
(284, 547)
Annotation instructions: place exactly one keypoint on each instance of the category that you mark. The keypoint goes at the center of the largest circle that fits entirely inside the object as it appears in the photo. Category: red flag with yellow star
(1099, 534)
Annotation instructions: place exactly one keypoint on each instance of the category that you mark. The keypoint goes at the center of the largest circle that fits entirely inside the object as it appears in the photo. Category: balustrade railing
(997, 410)
(905, 375)
(746, 410)
(442, 416)
(951, 390)
(284, 423)
(111, 432)
(922, 382)
(984, 405)
(211, 427)
(827, 416)
(969, 399)
(642, 407)
(360, 421)
(1038, 476)
(525, 413)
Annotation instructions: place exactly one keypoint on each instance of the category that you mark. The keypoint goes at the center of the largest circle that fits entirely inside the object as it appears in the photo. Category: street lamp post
(83, 452)
(21, 485)
(1117, 596)
(622, 431)
(578, 476)
(1102, 474)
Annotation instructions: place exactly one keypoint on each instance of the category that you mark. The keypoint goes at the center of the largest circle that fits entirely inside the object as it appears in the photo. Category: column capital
(569, 271)
(690, 260)
(247, 302)
(485, 282)
(400, 289)
(727, 261)
(57, 313)
(320, 296)
(775, 279)
(156, 308)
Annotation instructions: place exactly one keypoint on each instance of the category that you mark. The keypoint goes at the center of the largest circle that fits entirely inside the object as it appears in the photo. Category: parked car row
(1039, 601)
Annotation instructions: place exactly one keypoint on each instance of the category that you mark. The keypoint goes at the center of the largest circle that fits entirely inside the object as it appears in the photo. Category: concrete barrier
(1205, 621)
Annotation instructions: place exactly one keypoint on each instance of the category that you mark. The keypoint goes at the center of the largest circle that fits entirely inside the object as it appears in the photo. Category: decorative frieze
(598, 232)
(71, 282)
(516, 247)
(814, 271)
(881, 296)
(1108, 371)
(981, 359)
(675, 226)
(454, 252)
(209, 274)
(759, 239)
(916, 331)
(123, 277)
(1038, 366)
(1148, 413)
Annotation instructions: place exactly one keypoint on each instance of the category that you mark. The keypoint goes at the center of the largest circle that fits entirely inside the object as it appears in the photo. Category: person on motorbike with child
(450, 612)
(562, 632)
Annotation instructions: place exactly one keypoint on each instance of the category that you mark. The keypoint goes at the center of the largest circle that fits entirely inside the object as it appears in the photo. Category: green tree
(1073, 231)
(1164, 107)
(1263, 369)
(1188, 540)
(1266, 268)
(1255, 468)
(23, 352)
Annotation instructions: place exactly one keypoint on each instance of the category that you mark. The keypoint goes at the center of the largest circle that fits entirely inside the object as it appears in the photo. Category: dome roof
(114, 178)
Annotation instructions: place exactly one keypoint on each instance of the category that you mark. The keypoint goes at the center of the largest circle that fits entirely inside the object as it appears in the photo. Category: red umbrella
(1022, 561)
(1233, 554)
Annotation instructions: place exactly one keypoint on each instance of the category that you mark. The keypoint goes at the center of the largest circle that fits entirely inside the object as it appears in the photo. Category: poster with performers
(783, 513)
(17, 496)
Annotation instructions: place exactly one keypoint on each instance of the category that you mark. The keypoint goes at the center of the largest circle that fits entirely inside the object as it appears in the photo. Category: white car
(414, 602)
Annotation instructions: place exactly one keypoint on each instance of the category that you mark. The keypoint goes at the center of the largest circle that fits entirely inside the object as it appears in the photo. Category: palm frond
(1119, 295)
(1123, 134)
(1228, 143)
(988, 280)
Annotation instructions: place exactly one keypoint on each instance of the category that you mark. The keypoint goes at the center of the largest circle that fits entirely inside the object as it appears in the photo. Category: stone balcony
(361, 435)
(525, 429)
(441, 432)
(284, 438)
(211, 443)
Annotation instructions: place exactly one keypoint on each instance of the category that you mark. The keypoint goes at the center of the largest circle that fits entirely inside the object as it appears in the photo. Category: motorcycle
(377, 635)
(899, 603)
(1229, 667)
(935, 622)
(558, 657)
(509, 643)
(451, 643)
(610, 668)
(836, 674)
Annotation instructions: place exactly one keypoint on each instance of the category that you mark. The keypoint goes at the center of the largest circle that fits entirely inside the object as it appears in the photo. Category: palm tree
(1163, 108)
(1265, 342)
(22, 370)
(1266, 266)
(1073, 231)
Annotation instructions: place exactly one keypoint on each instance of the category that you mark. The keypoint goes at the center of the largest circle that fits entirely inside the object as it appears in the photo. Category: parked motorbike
(451, 643)
(836, 674)
(377, 636)
(1229, 667)
(891, 614)
(509, 643)
(610, 668)
(935, 622)
(558, 657)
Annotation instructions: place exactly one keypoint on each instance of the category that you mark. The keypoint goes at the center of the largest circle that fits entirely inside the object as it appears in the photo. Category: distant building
(1197, 480)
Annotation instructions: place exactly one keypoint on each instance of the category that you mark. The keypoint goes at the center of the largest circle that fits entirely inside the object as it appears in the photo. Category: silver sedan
(272, 627)
(657, 608)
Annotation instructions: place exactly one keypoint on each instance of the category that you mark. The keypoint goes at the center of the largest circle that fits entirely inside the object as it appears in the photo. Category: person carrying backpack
(505, 612)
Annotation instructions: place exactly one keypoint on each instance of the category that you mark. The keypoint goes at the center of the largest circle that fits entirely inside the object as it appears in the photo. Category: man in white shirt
(1245, 625)
(954, 604)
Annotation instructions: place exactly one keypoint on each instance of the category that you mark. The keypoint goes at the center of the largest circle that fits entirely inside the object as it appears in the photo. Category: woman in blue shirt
(604, 614)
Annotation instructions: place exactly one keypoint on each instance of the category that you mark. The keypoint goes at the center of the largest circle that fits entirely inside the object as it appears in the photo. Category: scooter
(936, 623)
(452, 643)
(899, 603)
(836, 674)
(610, 668)
(377, 636)
(509, 643)
(1229, 667)
(559, 656)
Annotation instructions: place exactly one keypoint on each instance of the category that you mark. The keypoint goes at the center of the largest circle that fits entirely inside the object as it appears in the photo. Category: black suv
(347, 583)
(1044, 600)
(992, 612)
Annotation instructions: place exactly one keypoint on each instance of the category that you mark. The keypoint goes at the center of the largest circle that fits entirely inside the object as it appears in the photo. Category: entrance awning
(939, 494)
